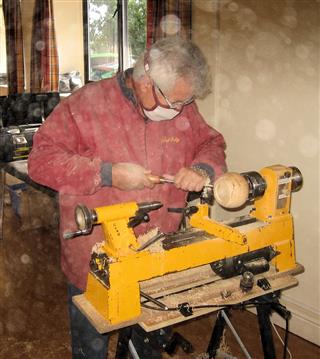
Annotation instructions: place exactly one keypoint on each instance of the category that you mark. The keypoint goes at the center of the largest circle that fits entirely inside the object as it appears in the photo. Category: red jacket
(96, 124)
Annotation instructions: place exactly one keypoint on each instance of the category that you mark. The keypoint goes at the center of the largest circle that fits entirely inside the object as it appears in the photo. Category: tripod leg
(264, 312)
(216, 335)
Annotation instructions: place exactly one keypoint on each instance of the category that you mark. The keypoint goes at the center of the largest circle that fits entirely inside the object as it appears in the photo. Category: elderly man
(102, 143)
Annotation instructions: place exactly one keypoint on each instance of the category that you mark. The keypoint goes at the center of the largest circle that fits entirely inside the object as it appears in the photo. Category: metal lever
(138, 219)
(70, 235)
(153, 300)
(142, 213)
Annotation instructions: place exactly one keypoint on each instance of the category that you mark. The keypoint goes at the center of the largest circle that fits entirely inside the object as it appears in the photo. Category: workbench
(19, 170)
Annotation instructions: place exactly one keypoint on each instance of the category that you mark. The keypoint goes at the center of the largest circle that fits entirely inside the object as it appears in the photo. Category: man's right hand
(130, 176)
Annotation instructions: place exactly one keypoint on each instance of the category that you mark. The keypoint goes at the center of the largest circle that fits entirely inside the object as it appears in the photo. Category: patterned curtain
(44, 76)
(14, 46)
(168, 18)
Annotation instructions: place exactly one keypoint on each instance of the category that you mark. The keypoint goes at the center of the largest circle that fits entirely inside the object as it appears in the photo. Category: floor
(33, 312)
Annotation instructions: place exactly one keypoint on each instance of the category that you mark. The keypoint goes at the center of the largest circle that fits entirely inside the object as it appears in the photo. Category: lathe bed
(197, 286)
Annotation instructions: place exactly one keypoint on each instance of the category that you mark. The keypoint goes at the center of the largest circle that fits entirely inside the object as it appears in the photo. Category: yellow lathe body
(117, 296)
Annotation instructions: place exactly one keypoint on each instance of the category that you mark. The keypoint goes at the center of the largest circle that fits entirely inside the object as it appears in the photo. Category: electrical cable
(284, 343)
(232, 306)
(286, 339)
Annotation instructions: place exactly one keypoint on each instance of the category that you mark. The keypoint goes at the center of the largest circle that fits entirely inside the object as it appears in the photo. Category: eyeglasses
(176, 104)
(173, 105)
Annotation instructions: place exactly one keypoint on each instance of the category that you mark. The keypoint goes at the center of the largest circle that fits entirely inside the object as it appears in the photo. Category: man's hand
(130, 176)
(189, 179)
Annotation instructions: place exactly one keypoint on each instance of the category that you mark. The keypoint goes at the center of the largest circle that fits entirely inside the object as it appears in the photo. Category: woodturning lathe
(249, 243)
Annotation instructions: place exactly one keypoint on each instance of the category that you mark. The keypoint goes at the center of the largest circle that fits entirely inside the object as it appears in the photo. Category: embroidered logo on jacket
(172, 139)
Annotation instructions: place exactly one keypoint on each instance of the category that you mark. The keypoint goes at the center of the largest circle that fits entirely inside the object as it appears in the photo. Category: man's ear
(145, 84)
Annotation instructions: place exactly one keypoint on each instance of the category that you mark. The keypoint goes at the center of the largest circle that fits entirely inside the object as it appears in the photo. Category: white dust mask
(160, 113)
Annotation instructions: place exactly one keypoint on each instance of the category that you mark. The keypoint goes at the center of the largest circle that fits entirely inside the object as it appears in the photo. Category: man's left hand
(190, 180)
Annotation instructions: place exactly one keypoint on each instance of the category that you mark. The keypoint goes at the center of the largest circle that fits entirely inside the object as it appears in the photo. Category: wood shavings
(143, 238)
(224, 347)
(97, 248)
(155, 247)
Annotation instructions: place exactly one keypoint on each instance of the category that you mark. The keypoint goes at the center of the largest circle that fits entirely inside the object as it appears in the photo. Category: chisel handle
(159, 179)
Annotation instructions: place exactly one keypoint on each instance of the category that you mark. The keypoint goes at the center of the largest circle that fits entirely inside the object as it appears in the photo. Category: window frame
(122, 16)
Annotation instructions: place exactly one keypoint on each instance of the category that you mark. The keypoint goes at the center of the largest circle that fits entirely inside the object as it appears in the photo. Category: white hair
(172, 58)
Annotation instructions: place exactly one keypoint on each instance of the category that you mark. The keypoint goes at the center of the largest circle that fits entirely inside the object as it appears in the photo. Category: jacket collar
(126, 91)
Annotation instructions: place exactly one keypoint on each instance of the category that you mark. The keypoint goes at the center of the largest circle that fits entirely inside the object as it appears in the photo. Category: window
(114, 36)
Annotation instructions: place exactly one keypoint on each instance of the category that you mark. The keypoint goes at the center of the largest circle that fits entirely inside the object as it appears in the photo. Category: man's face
(151, 95)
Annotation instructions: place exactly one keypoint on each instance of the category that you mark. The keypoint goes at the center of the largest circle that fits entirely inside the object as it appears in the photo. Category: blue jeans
(86, 341)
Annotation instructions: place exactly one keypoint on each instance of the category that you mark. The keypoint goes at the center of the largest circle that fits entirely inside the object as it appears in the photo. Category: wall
(265, 59)
(69, 34)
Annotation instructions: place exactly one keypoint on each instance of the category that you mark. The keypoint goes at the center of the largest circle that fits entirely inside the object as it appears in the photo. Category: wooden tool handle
(160, 179)
(154, 178)
(231, 190)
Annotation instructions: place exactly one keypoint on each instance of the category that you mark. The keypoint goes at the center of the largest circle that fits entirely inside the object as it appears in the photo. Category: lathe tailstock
(260, 242)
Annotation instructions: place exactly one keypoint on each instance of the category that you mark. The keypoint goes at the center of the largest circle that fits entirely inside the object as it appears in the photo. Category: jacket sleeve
(59, 158)
(209, 146)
